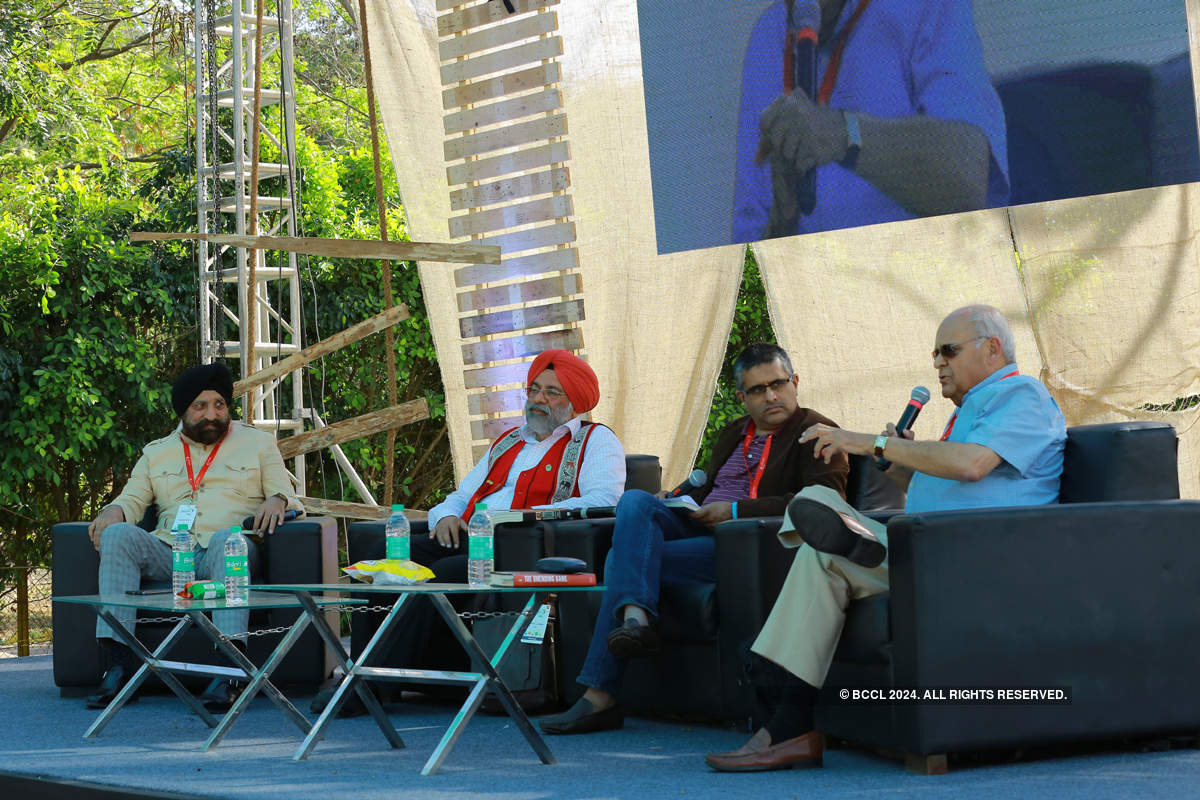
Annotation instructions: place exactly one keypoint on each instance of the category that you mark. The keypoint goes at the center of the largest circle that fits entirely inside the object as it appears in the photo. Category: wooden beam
(339, 248)
(520, 319)
(502, 60)
(501, 86)
(324, 347)
(498, 36)
(529, 344)
(472, 144)
(514, 293)
(517, 161)
(318, 506)
(536, 264)
(557, 206)
(351, 429)
(505, 111)
(502, 191)
(487, 13)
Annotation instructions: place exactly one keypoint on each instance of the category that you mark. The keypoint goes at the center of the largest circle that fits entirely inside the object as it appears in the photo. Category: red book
(543, 579)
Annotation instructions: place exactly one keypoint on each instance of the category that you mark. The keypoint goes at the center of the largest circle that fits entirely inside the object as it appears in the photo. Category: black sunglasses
(949, 351)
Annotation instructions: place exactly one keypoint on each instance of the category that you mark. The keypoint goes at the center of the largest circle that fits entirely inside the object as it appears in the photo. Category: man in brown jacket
(757, 466)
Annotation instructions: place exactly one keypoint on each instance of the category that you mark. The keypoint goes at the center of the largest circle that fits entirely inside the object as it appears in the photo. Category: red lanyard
(835, 60)
(187, 457)
(762, 462)
(954, 416)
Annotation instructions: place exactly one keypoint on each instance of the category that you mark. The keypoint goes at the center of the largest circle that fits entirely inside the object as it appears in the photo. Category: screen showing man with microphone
(758, 464)
(1003, 446)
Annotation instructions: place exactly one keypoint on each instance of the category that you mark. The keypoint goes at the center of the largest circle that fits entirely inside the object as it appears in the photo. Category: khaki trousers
(805, 624)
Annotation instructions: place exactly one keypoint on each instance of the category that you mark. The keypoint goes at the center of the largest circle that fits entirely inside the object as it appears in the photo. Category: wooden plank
(493, 88)
(357, 428)
(445, 5)
(513, 216)
(520, 346)
(519, 319)
(482, 377)
(494, 167)
(324, 347)
(498, 36)
(465, 253)
(537, 264)
(491, 428)
(545, 236)
(495, 402)
(504, 111)
(478, 451)
(536, 130)
(318, 506)
(552, 180)
(502, 60)
(485, 14)
(524, 292)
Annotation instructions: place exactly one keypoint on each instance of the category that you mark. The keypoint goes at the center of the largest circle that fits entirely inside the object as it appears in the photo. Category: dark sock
(794, 714)
(117, 654)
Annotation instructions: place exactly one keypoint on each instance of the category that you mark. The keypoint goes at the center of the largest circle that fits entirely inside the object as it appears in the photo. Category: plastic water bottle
(183, 560)
(397, 533)
(479, 547)
(237, 568)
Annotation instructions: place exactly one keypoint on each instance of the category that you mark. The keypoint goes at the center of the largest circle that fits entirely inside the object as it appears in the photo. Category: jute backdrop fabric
(656, 327)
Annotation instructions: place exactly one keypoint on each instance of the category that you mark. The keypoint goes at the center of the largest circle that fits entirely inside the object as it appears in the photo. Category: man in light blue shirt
(1002, 447)
(906, 122)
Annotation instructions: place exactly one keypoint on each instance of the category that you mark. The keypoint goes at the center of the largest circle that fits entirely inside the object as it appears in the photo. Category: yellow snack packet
(389, 571)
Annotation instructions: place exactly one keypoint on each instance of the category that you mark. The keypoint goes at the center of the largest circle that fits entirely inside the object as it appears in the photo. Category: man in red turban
(557, 458)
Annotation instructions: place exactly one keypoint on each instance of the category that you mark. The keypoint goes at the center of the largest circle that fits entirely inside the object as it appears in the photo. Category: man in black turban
(209, 474)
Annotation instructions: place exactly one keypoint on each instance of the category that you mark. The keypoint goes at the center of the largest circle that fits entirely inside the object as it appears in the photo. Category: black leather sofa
(1097, 594)
(300, 551)
(517, 547)
(700, 671)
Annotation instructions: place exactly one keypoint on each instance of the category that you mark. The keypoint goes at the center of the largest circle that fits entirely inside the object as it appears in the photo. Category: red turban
(577, 379)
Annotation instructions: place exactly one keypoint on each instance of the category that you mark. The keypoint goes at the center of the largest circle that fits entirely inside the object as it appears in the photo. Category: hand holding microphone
(920, 396)
(694, 481)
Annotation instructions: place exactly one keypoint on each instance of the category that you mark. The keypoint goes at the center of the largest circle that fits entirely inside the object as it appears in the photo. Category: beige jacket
(246, 471)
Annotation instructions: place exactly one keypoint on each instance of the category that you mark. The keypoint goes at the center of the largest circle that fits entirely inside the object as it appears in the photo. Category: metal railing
(24, 610)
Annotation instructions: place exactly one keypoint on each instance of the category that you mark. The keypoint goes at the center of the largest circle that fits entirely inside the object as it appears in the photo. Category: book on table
(519, 579)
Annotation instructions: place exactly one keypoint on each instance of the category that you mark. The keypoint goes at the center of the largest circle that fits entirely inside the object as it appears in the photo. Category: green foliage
(751, 323)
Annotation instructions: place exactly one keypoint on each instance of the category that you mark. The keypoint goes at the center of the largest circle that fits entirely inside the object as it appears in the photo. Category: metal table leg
(351, 679)
(489, 680)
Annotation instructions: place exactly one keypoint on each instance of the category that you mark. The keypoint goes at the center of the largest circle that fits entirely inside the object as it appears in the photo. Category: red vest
(554, 479)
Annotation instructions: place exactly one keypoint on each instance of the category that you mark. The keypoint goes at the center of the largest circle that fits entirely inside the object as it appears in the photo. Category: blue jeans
(652, 546)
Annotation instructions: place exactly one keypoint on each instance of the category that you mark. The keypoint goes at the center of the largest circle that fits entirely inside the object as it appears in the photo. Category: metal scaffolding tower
(224, 63)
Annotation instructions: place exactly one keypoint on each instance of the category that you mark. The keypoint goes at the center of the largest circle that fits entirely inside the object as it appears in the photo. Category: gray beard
(544, 426)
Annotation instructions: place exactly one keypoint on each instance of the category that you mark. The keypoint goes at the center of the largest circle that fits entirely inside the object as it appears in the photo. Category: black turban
(191, 382)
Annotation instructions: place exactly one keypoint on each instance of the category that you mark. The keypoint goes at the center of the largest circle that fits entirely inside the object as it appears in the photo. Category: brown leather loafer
(798, 753)
(838, 534)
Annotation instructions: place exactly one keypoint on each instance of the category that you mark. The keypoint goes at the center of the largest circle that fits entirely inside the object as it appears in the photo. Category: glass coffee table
(195, 613)
(486, 680)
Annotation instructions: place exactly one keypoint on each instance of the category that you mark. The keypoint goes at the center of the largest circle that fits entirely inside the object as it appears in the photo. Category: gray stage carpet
(154, 744)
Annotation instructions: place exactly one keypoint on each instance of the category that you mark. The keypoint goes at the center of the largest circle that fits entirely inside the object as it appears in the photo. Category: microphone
(694, 481)
(800, 73)
(920, 396)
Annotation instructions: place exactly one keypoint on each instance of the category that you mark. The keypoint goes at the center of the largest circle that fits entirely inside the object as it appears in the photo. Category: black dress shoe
(826, 530)
(633, 640)
(110, 685)
(220, 695)
(583, 718)
(352, 706)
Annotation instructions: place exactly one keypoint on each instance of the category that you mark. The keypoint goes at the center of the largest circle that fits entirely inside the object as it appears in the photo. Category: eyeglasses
(949, 351)
(551, 393)
(760, 390)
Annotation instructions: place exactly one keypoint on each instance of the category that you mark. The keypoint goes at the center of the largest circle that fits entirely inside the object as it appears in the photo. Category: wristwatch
(853, 140)
(880, 443)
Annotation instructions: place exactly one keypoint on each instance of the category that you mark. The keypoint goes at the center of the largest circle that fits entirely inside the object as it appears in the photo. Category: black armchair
(300, 551)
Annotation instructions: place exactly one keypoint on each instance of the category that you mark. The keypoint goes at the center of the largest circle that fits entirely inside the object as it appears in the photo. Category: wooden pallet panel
(520, 319)
(502, 60)
(498, 35)
(513, 216)
(474, 144)
(534, 238)
(504, 111)
(520, 346)
(525, 292)
(496, 402)
(503, 191)
(481, 377)
(489, 429)
(485, 14)
(520, 161)
(536, 264)
(501, 86)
